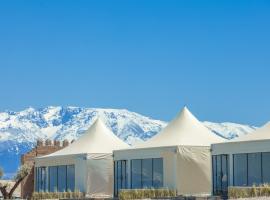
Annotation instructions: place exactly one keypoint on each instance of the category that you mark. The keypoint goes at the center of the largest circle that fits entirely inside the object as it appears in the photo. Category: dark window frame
(45, 186)
(222, 189)
(141, 175)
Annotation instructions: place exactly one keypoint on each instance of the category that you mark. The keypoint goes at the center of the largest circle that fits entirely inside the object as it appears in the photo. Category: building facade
(242, 162)
(42, 148)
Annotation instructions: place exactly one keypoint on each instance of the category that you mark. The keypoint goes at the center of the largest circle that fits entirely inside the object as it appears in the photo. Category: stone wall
(42, 148)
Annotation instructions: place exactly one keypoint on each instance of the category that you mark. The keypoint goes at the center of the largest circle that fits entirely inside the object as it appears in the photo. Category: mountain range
(19, 131)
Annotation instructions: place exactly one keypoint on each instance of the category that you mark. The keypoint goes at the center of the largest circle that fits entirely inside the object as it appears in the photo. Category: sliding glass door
(220, 174)
(147, 173)
(120, 176)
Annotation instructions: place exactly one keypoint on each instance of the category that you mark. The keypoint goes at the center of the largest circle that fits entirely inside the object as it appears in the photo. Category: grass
(146, 193)
(247, 192)
(57, 195)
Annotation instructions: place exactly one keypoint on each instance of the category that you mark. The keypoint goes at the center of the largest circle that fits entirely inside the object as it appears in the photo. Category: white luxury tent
(243, 161)
(176, 158)
(85, 165)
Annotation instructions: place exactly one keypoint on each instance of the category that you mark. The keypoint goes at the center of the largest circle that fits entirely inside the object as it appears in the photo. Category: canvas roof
(97, 139)
(262, 133)
(184, 130)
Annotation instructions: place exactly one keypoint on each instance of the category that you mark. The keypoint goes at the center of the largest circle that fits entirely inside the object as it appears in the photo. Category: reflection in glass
(70, 177)
(254, 169)
(146, 173)
(62, 178)
(136, 171)
(157, 172)
(240, 169)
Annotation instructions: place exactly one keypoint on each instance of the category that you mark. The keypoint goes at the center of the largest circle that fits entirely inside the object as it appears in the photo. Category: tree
(1, 173)
(23, 171)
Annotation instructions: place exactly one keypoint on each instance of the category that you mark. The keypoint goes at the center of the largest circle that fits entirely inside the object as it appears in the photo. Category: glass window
(70, 178)
(120, 180)
(224, 172)
(214, 173)
(136, 171)
(36, 179)
(219, 173)
(119, 175)
(147, 173)
(53, 179)
(43, 179)
(62, 178)
(266, 167)
(115, 177)
(240, 169)
(157, 172)
(124, 175)
(254, 169)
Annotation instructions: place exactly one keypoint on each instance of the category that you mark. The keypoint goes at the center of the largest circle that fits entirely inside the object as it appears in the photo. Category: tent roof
(97, 139)
(262, 133)
(186, 130)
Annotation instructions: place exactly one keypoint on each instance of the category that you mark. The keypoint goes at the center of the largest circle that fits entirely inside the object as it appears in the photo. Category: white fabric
(185, 130)
(262, 133)
(92, 157)
(99, 176)
(193, 170)
(97, 139)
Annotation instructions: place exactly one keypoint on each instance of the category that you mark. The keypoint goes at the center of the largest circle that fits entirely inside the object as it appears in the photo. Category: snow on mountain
(19, 131)
(229, 130)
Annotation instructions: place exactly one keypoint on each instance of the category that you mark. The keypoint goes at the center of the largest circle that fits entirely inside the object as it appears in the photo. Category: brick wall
(41, 149)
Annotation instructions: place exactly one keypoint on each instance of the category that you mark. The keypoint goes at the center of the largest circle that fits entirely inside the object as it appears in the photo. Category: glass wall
(70, 178)
(240, 168)
(157, 172)
(248, 169)
(251, 169)
(136, 173)
(147, 173)
(266, 167)
(41, 179)
(62, 178)
(120, 176)
(254, 169)
(55, 178)
(220, 164)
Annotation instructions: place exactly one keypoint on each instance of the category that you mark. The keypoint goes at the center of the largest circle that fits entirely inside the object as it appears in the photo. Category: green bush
(145, 193)
(57, 195)
(247, 192)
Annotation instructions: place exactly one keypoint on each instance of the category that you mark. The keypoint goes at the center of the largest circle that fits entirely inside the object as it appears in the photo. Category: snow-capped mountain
(19, 131)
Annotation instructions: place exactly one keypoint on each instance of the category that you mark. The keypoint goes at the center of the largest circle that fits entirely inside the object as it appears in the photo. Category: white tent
(246, 160)
(184, 147)
(91, 156)
(184, 130)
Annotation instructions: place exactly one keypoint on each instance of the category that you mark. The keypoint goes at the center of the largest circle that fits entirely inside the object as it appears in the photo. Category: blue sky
(150, 57)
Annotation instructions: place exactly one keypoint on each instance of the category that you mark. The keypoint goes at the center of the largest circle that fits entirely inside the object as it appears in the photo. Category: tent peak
(185, 114)
(184, 129)
(98, 121)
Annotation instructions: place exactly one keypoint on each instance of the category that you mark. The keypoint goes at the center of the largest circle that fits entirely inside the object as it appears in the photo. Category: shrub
(247, 192)
(125, 194)
(57, 195)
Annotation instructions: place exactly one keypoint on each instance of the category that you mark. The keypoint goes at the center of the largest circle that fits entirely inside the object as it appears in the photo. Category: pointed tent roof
(262, 133)
(185, 130)
(97, 139)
